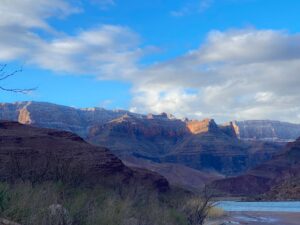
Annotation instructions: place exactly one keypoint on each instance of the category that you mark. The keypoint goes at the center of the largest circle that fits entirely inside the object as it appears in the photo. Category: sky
(222, 59)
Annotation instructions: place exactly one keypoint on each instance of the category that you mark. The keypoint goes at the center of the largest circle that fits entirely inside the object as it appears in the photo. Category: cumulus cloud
(32, 14)
(104, 50)
(237, 74)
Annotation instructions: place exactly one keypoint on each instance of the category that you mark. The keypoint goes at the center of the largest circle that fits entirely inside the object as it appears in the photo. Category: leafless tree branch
(198, 208)
(5, 75)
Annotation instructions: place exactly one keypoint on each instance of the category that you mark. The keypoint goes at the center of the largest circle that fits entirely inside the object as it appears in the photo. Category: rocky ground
(258, 218)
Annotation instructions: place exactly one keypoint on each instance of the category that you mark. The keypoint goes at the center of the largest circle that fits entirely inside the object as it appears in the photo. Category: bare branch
(23, 91)
(198, 207)
(5, 75)
(2, 67)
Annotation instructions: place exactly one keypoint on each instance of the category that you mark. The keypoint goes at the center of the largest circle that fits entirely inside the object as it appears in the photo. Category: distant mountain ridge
(201, 145)
(266, 130)
(79, 120)
(161, 138)
(48, 115)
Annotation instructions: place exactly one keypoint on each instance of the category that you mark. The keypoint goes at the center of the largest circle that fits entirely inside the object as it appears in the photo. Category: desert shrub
(198, 207)
(53, 203)
(28, 204)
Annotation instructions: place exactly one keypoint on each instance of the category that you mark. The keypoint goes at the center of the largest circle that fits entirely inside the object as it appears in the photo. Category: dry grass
(215, 213)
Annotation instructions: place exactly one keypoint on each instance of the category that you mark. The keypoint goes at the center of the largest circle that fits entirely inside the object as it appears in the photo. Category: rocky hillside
(38, 154)
(278, 178)
(214, 149)
(149, 137)
(47, 115)
(267, 130)
(161, 138)
(79, 121)
(197, 144)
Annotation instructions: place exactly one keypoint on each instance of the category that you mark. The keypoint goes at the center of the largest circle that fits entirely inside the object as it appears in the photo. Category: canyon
(162, 143)
(39, 154)
(276, 179)
(201, 145)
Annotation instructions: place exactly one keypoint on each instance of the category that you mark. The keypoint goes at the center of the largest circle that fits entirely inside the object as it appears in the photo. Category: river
(236, 206)
(258, 213)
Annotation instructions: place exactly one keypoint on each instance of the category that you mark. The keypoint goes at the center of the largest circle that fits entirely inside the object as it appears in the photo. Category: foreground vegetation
(58, 204)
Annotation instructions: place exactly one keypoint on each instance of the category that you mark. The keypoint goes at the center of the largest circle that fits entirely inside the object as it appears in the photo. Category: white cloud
(264, 96)
(33, 14)
(103, 51)
(238, 74)
(156, 101)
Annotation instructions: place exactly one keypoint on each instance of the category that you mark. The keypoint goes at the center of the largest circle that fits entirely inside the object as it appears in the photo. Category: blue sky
(195, 58)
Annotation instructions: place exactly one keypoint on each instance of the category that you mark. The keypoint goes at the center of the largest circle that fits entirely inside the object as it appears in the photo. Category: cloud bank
(234, 74)
(237, 74)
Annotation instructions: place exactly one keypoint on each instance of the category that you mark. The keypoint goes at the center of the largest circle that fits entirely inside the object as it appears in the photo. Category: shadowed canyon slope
(197, 144)
(177, 175)
(278, 178)
(160, 138)
(39, 154)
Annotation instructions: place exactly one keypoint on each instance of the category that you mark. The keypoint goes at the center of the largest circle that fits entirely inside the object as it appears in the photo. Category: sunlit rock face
(267, 130)
(160, 138)
(202, 145)
(198, 127)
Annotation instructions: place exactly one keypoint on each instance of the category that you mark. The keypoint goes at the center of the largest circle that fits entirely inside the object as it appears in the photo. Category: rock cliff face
(267, 130)
(278, 178)
(216, 150)
(197, 144)
(161, 138)
(54, 116)
(38, 154)
(79, 121)
(145, 136)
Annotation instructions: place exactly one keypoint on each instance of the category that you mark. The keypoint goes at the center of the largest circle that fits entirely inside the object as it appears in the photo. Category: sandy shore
(258, 218)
